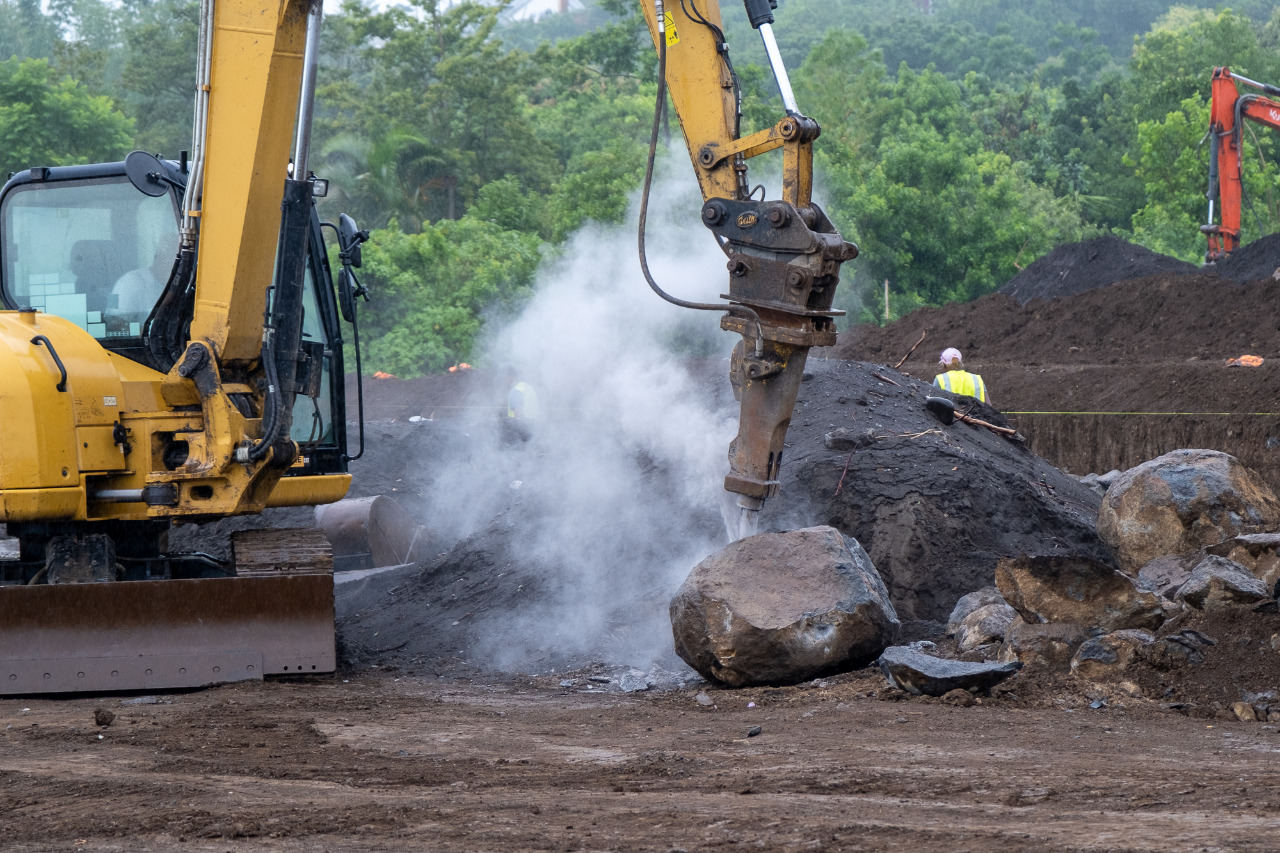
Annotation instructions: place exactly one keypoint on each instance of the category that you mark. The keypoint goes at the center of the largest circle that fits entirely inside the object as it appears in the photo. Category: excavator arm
(1228, 110)
(783, 254)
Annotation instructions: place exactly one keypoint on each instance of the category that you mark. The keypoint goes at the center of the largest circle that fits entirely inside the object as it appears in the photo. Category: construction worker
(522, 402)
(956, 379)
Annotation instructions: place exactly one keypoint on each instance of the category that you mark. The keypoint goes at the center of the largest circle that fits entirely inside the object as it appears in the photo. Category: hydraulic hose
(740, 310)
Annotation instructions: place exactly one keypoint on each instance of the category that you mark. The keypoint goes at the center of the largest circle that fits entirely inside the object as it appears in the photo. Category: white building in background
(520, 10)
(524, 10)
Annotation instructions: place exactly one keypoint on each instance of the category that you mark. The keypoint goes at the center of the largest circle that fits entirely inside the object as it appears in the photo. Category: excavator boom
(1228, 110)
(783, 254)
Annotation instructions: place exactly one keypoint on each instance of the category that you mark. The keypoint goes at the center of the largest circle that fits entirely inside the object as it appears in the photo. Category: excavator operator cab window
(313, 416)
(95, 252)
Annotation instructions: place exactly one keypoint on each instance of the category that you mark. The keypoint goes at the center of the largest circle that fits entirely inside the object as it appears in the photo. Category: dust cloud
(614, 491)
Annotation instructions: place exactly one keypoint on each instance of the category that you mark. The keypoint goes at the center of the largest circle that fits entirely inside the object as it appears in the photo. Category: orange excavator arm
(1227, 111)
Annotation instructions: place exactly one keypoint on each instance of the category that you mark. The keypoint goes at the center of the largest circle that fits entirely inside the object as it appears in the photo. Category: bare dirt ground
(374, 762)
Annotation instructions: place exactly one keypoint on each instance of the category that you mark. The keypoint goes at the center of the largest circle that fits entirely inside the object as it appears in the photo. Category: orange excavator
(1228, 111)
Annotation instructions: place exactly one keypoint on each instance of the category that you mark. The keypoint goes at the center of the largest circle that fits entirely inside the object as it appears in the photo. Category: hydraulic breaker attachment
(784, 264)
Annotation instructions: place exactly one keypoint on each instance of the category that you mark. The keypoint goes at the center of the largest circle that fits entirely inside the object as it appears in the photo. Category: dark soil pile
(935, 506)
(1077, 267)
(1253, 261)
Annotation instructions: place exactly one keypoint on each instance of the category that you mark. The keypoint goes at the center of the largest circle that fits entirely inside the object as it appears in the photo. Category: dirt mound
(1253, 261)
(1077, 267)
(935, 506)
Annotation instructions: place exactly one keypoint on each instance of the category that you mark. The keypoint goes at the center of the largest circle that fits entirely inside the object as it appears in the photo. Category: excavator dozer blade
(164, 634)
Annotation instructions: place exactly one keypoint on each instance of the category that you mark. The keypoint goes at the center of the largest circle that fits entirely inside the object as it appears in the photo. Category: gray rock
(1079, 590)
(633, 682)
(1111, 657)
(985, 625)
(1043, 645)
(780, 608)
(1181, 502)
(1100, 482)
(971, 602)
(921, 674)
(1218, 582)
(844, 438)
(1164, 575)
(1257, 552)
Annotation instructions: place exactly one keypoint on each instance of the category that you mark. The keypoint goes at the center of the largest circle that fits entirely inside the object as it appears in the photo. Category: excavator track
(275, 617)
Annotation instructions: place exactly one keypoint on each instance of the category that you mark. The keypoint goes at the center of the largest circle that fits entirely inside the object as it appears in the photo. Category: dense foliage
(961, 139)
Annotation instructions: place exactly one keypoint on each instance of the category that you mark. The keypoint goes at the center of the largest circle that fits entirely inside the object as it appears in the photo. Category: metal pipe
(307, 100)
(200, 123)
(118, 496)
(779, 70)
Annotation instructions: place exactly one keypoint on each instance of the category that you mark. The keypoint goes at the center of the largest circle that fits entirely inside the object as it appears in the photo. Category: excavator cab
(85, 244)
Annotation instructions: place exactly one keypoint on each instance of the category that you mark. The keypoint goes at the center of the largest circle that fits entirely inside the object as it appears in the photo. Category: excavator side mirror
(349, 239)
(346, 295)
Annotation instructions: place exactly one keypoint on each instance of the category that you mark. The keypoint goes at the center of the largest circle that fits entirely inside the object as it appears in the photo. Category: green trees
(48, 120)
(956, 147)
(435, 287)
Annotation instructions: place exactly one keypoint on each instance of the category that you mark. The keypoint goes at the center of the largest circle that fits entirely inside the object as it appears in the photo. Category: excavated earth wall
(1108, 376)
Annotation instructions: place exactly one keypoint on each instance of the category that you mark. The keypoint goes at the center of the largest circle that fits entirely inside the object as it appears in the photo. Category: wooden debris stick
(913, 349)
(840, 485)
(885, 379)
(992, 427)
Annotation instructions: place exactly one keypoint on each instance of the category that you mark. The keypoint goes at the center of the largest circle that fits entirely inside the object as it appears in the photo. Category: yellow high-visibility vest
(962, 382)
(528, 399)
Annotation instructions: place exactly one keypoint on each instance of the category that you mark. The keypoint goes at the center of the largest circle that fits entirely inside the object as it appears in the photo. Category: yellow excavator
(171, 350)
(784, 254)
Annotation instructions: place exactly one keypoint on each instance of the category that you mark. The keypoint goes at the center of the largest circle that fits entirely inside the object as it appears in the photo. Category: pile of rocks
(1192, 531)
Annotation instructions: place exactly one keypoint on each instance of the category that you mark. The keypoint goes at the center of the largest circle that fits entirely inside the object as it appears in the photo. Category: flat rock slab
(778, 608)
(1218, 582)
(921, 674)
(1257, 552)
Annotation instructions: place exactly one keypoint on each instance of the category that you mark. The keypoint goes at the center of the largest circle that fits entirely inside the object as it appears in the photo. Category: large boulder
(1181, 502)
(1219, 583)
(778, 608)
(1090, 593)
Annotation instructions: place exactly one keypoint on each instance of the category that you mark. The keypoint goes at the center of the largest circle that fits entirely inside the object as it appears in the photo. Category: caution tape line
(1163, 414)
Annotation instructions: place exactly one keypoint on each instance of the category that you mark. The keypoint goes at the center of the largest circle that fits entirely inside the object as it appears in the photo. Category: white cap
(949, 355)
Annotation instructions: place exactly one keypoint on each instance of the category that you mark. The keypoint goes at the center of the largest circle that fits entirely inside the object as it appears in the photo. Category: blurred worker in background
(522, 402)
(956, 379)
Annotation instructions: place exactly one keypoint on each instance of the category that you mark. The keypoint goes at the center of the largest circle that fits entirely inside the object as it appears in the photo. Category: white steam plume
(620, 483)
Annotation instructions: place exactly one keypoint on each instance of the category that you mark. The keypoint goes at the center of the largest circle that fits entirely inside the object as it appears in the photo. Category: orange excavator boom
(1227, 112)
